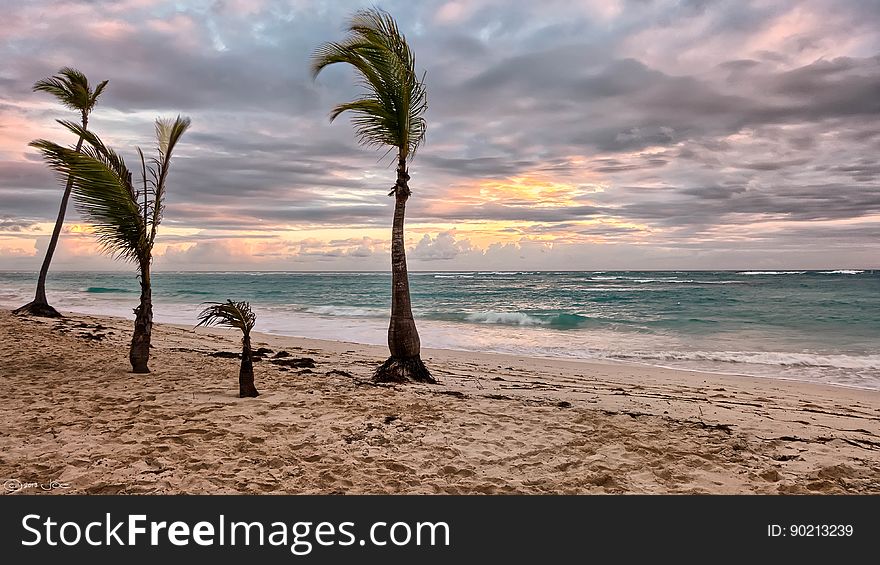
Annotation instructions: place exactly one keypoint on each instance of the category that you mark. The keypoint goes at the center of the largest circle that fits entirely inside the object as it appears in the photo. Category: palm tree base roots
(396, 370)
(247, 391)
(246, 388)
(40, 309)
(139, 356)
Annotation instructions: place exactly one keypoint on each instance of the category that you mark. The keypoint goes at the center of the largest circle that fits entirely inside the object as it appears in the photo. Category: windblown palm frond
(96, 148)
(391, 112)
(72, 89)
(168, 133)
(103, 194)
(124, 219)
(230, 314)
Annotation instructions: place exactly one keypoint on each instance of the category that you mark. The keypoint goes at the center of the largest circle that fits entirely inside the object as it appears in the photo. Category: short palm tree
(389, 114)
(235, 315)
(125, 217)
(72, 89)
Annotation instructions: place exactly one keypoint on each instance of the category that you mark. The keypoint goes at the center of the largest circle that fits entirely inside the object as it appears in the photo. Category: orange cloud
(535, 188)
(16, 247)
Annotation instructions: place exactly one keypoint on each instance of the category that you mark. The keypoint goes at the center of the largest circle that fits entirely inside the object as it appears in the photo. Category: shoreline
(715, 322)
(576, 361)
(496, 422)
(587, 361)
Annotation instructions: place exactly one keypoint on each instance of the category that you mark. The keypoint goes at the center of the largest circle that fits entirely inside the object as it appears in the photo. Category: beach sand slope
(71, 412)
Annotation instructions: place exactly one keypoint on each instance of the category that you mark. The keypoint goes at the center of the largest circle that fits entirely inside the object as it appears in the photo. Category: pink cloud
(109, 29)
(452, 12)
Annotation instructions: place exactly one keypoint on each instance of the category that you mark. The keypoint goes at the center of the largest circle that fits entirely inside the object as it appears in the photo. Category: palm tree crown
(230, 314)
(72, 89)
(124, 217)
(391, 111)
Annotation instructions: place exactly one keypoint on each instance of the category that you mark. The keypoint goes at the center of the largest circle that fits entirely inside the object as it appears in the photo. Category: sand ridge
(72, 412)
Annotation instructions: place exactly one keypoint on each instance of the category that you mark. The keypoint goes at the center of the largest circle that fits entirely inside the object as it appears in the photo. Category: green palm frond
(391, 112)
(168, 133)
(373, 125)
(103, 195)
(230, 314)
(97, 92)
(124, 220)
(72, 89)
(98, 149)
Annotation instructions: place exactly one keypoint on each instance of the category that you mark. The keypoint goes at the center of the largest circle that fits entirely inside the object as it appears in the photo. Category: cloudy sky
(628, 134)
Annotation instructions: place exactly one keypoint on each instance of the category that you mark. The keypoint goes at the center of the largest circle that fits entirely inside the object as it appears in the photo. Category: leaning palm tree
(72, 89)
(389, 114)
(235, 315)
(125, 217)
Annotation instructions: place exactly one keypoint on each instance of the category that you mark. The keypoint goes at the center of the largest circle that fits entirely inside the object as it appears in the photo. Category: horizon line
(745, 269)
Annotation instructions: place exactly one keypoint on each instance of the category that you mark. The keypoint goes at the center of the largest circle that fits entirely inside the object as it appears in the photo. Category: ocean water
(819, 326)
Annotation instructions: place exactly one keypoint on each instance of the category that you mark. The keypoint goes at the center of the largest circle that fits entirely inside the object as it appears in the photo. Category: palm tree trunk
(246, 386)
(40, 304)
(405, 363)
(139, 353)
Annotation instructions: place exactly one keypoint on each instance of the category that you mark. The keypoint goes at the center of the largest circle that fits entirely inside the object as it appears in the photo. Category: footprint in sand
(454, 471)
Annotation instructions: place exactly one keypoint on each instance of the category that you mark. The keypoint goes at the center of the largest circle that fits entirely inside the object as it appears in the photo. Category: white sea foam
(12, 295)
(510, 318)
(672, 280)
(843, 272)
(346, 311)
(710, 282)
(771, 273)
(631, 279)
(785, 359)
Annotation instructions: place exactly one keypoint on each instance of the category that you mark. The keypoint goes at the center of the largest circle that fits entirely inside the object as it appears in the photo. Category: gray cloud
(693, 117)
(15, 225)
(443, 247)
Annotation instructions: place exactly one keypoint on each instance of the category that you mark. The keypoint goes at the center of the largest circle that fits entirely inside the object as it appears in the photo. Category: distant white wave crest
(843, 272)
(771, 273)
(673, 280)
(510, 318)
(837, 361)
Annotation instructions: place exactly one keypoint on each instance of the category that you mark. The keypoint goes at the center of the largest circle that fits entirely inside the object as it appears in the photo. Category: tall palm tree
(389, 114)
(72, 89)
(235, 315)
(125, 217)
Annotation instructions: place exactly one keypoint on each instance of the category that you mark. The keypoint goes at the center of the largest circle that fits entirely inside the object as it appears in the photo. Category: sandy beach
(73, 413)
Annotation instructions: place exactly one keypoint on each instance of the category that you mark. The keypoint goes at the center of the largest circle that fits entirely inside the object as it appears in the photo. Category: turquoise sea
(820, 326)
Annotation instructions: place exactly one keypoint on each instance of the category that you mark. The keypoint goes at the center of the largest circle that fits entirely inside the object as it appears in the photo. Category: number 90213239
(809, 530)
